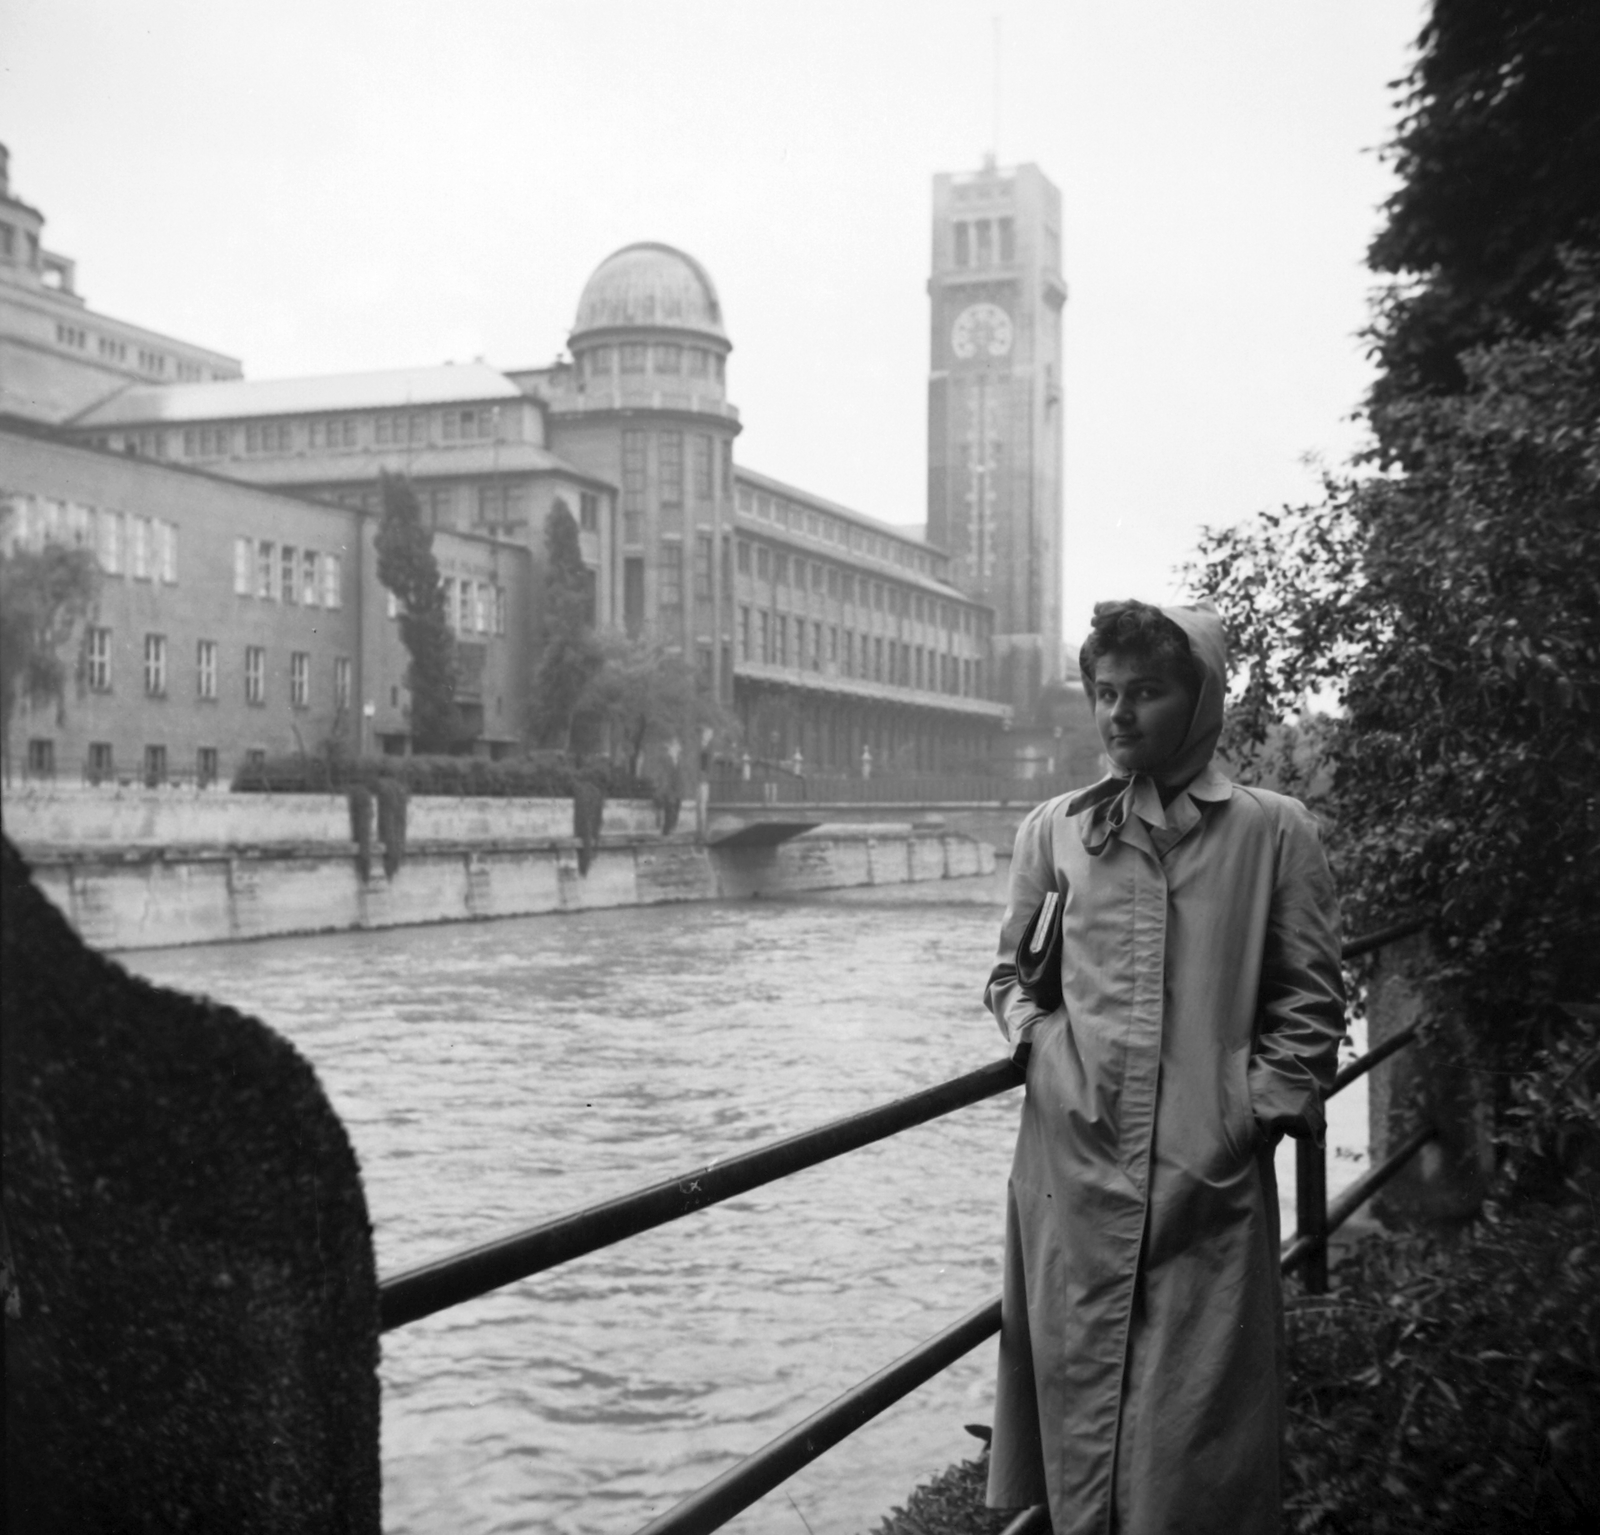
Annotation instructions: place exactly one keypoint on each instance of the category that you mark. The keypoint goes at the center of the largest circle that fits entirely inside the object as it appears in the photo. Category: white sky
(328, 185)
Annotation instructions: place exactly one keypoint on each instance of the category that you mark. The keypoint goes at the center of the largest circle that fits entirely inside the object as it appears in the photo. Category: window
(877, 660)
(341, 682)
(671, 593)
(265, 552)
(290, 571)
(205, 766)
(155, 766)
(1008, 240)
(599, 364)
(780, 569)
(744, 557)
(441, 506)
(332, 581)
(983, 244)
(670, 465)
(847, 586)
(697, 359)
(632, 357)
(766, 638)
(702, 567)
(41, 758)
(300, 679)
(588, 511)
(139, 549)
(309, 594)
(255, 674)
(704, 458)
(633, 596)
(243, 559)
(633, 473)
(167, 552)
(963, 245)
(480, 607)
(669, 357)
(97, 658)
(205, 669)
(744, 633)
(101, 764)
(463, 606)
(268, 437)
(781, 626)
(817, 577)
(499, 610)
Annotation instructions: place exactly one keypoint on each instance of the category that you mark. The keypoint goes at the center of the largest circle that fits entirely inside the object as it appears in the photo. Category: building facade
(833, 636)
(995, 410)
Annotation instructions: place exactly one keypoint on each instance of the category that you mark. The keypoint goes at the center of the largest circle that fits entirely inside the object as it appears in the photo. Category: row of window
(274, 572)
(112, 350)
(985, 242)
(782, 569)
(100, 765)
(871, 658)
(664, 357)
(145, 548)
(471, 607)
(389, 429)
(98, 674)
(686, 463)
(808, 520)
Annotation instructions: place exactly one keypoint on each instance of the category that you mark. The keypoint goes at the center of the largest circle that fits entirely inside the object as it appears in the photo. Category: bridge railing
(463, 1276)
(774, 784)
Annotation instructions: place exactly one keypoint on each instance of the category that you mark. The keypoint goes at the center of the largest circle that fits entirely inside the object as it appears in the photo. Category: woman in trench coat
(1141, 1356)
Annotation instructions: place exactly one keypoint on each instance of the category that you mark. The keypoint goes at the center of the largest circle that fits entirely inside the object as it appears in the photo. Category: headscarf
(1138, 794)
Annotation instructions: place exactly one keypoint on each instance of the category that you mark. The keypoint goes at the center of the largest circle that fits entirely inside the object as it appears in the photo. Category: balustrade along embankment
(432, 1287)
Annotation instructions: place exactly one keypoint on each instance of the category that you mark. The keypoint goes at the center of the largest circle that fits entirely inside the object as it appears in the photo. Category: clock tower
(994, 411)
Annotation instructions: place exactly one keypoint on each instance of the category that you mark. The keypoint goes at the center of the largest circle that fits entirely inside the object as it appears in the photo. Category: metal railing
(432, 1287)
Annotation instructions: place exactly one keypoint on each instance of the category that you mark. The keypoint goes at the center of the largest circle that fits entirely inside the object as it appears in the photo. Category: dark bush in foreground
(1451, 1387)
(439, 775)
(951, 1504)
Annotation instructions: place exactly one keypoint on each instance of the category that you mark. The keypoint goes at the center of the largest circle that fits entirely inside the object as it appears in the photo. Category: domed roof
(650, 285)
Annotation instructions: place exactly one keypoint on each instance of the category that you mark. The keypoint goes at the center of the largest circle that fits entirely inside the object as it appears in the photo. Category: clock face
(981, 330)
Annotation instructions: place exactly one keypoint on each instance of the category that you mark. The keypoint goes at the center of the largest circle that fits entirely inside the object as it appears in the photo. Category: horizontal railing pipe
(1367, 942)
(1362, 1064)
(1300, 1249)
(463, 1276)
(774, 1463)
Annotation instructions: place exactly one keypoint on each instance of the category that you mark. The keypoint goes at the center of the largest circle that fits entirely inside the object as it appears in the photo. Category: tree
(643, 694)
(44, 595)
(569, 655)
(1499, 157)
(1454, 612)
(406, 565)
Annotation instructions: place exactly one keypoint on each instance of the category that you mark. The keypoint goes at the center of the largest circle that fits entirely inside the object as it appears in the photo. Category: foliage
(446, 776)
(950, 1504)
(44, 595)
(1498, 155)
(1454, 613)
(406, 565)
(644, 694)
(569, 653)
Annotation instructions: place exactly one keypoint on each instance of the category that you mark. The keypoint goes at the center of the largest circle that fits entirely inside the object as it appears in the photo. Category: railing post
(1311, 1211)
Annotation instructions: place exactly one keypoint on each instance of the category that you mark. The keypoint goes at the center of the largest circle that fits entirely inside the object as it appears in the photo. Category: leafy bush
(439, 775)
(951, 1504)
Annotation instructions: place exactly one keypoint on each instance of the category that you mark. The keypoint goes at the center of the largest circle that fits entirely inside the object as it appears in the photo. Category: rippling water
(494, 1074)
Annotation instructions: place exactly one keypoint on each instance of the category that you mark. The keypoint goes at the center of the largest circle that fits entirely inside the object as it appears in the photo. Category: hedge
(440, 775)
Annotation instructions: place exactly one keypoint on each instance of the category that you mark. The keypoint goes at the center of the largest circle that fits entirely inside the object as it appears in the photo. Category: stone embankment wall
(154, 868)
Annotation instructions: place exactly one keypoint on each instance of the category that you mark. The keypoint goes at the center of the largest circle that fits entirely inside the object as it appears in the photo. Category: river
(494, 1074)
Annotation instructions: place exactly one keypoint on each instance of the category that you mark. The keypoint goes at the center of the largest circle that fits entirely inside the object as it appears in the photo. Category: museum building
(828, 632)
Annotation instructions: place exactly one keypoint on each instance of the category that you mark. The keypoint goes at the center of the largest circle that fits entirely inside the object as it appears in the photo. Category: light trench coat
(1141, 1352)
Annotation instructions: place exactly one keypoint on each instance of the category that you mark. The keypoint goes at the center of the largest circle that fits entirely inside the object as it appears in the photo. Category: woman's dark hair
(1137, 629)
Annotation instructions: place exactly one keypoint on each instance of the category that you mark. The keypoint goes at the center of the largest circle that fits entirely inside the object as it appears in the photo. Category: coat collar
(1109, 808)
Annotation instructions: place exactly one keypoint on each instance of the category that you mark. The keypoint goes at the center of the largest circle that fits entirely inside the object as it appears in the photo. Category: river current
(494, 1074)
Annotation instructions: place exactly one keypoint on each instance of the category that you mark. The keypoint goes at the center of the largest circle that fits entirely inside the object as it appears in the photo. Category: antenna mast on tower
(994, 136)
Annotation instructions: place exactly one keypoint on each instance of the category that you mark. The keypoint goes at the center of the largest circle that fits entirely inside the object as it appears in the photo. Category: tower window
(985, 242)
(963, 244)
(1008, 240)
(633, 357)
(669, 357)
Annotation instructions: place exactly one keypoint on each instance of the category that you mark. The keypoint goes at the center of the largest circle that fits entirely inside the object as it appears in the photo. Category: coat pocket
(1240, 1129)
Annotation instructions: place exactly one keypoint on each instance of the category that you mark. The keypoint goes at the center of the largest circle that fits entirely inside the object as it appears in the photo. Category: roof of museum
(650, 285)
(237, 399)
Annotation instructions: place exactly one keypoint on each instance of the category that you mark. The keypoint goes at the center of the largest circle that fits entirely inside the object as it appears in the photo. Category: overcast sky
(323, 185)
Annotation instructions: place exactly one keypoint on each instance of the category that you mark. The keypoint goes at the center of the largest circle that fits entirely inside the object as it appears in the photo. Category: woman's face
(1142, 710)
